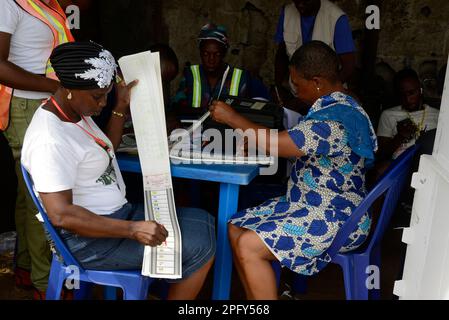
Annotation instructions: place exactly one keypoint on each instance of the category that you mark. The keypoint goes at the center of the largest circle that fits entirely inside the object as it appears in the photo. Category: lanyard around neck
(98, 140)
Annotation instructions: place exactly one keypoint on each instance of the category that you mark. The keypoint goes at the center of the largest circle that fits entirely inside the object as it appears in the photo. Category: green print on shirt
(108, 177)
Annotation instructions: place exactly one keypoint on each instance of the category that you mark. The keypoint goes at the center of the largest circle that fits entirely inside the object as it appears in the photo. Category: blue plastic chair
(134, 285)
(355, 263)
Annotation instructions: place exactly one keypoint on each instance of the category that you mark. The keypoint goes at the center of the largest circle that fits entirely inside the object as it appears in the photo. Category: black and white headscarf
(83, 65)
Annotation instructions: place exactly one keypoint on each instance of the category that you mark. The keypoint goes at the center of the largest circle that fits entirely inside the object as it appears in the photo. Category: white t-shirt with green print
(61, 156)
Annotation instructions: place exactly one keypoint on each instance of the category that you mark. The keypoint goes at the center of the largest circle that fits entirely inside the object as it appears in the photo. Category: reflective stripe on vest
(196, 98)
(54, 17)
(197, 93)
(5, 101)
(235, 83)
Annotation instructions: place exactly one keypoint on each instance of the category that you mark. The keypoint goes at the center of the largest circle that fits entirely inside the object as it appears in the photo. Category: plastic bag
(8, 242)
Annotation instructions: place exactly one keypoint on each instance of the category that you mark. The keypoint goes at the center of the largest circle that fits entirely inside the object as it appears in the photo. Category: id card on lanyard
(97, 140)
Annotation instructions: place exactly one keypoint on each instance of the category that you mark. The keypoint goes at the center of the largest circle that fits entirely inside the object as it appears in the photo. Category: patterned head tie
(83, 65)
(213, 32)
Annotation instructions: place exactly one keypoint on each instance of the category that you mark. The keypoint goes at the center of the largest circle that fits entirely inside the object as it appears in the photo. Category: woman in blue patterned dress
(333, 145)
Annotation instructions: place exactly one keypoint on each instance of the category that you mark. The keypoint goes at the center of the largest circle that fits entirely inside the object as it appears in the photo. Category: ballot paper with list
(148, 115)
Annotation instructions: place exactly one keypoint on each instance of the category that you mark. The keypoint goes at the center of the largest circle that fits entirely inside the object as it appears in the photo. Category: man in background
(400, 127)
(203, 83)
(301, 22)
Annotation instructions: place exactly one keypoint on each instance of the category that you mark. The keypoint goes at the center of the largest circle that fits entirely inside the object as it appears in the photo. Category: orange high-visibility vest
(54, 17)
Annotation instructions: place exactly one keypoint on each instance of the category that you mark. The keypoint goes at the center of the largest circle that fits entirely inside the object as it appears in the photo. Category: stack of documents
(148, 115)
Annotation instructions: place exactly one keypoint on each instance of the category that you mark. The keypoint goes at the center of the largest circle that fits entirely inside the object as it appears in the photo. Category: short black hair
(404, 74)
(166, 53)
(316, 59)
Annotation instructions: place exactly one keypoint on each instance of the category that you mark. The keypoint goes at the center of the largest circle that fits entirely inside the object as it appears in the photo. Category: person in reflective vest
(202, 83)
(29, 30)
(300, 22)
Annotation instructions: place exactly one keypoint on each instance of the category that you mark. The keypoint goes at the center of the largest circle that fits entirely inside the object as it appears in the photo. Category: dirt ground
(327, 285)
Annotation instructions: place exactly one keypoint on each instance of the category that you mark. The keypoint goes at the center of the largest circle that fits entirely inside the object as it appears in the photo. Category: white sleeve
(9, 16)
(53, 167)
(385, 128)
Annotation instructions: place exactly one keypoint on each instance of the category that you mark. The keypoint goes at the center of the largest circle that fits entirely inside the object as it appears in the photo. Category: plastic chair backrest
(391, 183)
(59, 244)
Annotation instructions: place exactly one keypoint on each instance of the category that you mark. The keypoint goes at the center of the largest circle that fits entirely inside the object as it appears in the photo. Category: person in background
(75, 172)
(300, 22)
(169, 68)
(202, 83)
(29, 30)
(169, 71)
(401, 126)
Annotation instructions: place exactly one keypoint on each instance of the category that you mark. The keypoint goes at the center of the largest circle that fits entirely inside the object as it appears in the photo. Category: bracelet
(118, 114)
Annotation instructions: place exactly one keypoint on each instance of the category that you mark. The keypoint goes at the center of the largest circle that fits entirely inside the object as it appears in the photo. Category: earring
(318, 89)
(69, 96)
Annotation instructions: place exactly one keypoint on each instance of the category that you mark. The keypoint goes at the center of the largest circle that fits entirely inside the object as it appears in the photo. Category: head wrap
(213, 32)
(83, 65)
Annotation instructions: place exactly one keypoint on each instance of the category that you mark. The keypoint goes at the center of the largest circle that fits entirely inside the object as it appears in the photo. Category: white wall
(441, 150)
(426, 270)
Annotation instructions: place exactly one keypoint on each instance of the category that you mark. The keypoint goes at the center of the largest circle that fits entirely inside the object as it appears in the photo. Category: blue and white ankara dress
(324, 188)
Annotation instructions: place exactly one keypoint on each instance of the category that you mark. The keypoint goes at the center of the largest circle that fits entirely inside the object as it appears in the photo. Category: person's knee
(195, 214)
(205, 249)
(198, 255)
(234, 232)
(248, 246)
(198, 233)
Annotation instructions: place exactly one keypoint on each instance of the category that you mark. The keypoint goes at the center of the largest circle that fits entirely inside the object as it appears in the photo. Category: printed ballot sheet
(148, 115)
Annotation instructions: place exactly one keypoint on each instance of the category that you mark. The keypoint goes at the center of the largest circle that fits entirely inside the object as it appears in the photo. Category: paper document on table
(148, 114)
(183, 149)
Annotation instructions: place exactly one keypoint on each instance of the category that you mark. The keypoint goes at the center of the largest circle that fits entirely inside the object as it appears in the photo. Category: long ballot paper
(148, 115)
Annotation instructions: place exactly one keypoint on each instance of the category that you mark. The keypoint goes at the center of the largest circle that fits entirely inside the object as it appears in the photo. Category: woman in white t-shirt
(78, 180)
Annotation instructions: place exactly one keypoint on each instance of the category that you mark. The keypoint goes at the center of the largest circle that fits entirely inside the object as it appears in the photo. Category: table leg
(229, 196)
